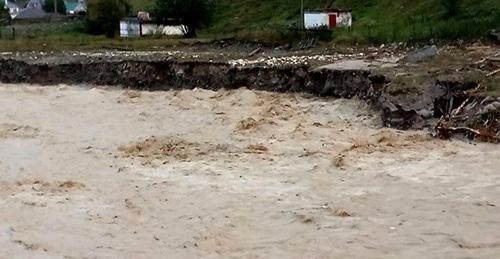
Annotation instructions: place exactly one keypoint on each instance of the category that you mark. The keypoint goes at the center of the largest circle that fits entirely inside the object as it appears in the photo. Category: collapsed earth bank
(457, 111)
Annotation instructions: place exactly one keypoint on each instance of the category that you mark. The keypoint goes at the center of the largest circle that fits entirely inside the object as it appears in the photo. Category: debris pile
(490, 64)
(463, 111)
(474, 117)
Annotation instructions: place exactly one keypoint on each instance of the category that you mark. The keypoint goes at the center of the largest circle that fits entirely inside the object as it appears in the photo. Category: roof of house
(31, 13)
(81, 7)
(34, 4)
(11, 5)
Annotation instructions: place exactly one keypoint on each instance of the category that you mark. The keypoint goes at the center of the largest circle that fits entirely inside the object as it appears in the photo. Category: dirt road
(108, 173)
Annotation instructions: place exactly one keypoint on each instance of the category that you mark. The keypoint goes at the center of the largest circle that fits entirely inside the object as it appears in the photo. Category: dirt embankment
(166, 75)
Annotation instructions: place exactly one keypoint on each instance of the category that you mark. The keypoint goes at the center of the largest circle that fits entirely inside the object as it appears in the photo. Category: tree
(103, 16)
(191, 13)
(48, 6)
(4, 14)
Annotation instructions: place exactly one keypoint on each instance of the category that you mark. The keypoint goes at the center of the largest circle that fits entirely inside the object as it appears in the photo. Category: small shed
(81, 7)
(327, 19)
(136, 27)
(34, 4)
(13, 8)
(130, 27)
(70, 6)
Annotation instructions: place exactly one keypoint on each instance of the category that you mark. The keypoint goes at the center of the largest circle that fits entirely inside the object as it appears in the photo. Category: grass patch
(374, 21)
(85, 42)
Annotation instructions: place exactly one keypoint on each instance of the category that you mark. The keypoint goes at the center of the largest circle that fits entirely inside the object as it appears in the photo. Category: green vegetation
(85, 42)
(43, 30)
(48, 6)
(4, 14)
(421, 20)
(103, 16)
(375, 21)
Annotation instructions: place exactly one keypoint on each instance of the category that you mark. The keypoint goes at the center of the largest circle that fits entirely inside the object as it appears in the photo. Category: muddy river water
(105, 172)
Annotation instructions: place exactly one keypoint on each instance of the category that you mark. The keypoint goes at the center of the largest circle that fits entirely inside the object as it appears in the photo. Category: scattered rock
(426, 113)
(423, 54)
(395, 116)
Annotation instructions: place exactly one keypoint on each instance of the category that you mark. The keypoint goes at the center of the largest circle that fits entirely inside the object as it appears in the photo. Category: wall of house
(129, 29)
(134, 29)
(172, 30)
(315, 20)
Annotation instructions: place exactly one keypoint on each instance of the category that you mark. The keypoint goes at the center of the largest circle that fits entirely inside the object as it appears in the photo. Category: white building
(81, 7)
(12, 7)
(135, 27)
(329, 19)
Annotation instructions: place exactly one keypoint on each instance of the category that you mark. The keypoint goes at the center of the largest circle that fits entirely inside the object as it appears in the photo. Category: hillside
(374, 21)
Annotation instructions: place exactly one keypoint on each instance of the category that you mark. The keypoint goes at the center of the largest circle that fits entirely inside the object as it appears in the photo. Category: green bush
(191, 13)
(48, 6)
(103, 16)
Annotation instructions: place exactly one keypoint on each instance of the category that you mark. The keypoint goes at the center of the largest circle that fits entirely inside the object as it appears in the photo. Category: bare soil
(102, 172)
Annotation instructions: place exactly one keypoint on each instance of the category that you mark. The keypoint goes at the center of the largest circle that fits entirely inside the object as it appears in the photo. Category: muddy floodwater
(111, 173)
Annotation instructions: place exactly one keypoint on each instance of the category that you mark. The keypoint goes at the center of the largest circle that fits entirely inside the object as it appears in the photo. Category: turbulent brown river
(104, 172)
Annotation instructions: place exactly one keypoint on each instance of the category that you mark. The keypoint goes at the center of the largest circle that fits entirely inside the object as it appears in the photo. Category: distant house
(12, 7)
(81, 7)
(327, 19)
(31, 14)
(34, 4)
(137, 27)
(70, 6)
